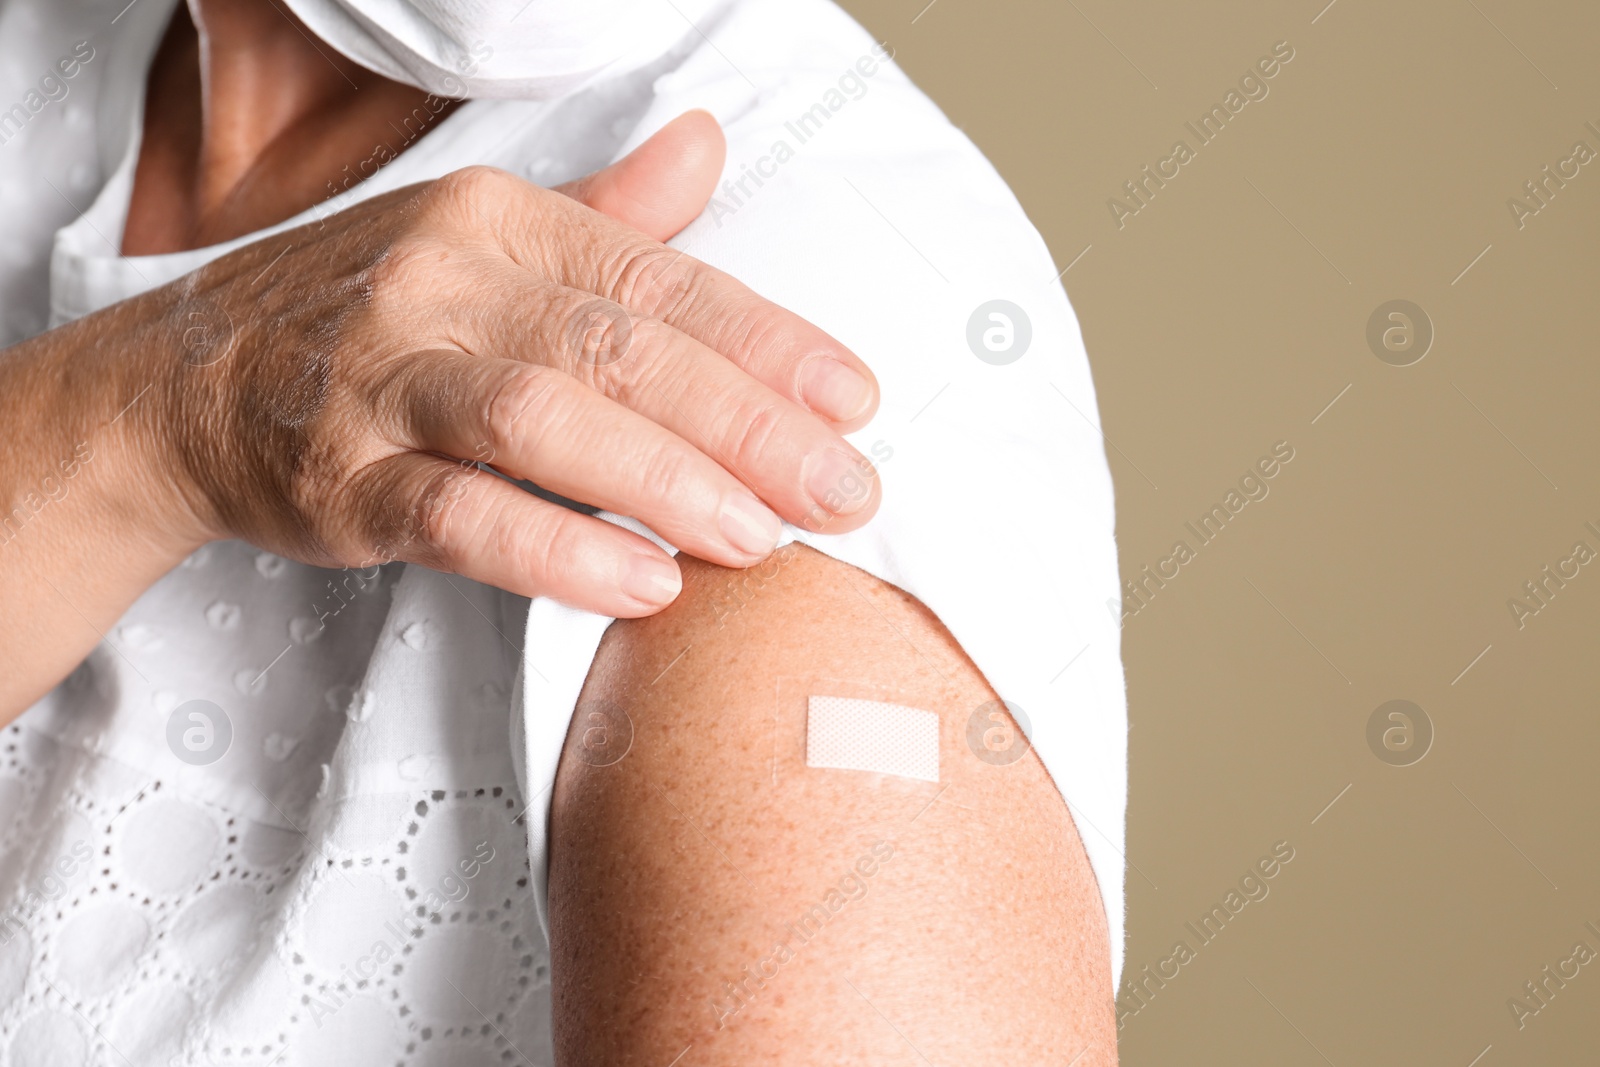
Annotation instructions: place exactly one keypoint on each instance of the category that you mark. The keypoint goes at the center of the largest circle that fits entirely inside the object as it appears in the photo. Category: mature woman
(342, 414)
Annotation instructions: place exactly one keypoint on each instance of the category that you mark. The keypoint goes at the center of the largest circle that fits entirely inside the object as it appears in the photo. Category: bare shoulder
(794, 823)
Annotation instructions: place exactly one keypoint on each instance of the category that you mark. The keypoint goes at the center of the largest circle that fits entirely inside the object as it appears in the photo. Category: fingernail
(833, 390)
(841, 484)
(652, 580)
(748, 525)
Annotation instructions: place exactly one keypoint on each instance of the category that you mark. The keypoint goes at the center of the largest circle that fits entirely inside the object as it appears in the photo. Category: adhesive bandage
(845, 733)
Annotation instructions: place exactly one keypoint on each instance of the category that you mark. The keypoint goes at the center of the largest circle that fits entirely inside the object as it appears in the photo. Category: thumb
(661, 186)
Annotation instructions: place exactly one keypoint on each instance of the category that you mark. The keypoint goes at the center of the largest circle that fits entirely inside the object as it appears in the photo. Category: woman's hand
(327, 394)
(344, 379)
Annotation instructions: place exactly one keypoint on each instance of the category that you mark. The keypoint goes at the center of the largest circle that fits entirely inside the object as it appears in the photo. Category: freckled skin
(981, 940)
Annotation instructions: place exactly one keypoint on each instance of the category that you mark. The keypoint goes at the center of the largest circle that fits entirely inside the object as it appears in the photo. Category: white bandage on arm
(845, 733)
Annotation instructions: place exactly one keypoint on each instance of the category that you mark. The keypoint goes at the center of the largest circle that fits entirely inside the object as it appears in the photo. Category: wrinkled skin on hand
(329, 392)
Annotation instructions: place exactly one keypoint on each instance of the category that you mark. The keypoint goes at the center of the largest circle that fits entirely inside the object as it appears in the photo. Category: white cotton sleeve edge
(561, 644)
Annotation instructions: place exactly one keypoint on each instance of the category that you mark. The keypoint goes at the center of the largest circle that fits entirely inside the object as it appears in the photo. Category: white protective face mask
(519, 49)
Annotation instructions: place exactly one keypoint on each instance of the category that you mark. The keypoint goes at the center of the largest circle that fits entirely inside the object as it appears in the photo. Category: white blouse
(292, 815)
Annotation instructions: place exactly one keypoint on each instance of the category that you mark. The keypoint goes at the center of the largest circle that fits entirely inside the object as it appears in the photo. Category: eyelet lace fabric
(348, 883)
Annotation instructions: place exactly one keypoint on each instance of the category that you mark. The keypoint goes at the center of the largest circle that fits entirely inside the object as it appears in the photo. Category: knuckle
(462, 198)
(669, 475)
(767, 339)
(755, 428)
(595, 336)
(552, 556)
(654, 280)
(621, 356)
(528, 400)
(471, 183)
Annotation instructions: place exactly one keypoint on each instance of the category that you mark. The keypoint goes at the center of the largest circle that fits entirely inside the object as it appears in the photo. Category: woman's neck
(250, 119)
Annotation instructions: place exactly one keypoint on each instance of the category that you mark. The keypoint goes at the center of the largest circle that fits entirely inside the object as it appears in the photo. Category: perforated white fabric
(259, 910)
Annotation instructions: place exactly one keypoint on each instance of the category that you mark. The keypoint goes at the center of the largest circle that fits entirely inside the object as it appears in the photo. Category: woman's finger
(455, 517)
(663, 185)
(558, 239)
(538, 423)
(777, 347)
(799, 465)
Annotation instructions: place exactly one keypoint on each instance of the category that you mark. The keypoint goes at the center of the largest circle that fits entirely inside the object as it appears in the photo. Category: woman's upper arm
(712, 891)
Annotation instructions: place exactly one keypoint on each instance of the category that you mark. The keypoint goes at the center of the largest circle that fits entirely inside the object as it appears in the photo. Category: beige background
(1226, 316)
